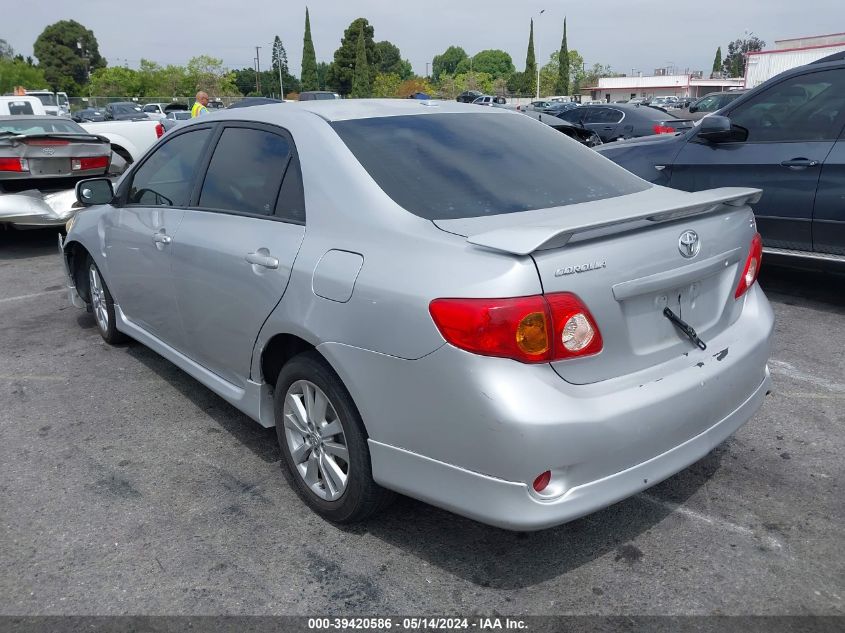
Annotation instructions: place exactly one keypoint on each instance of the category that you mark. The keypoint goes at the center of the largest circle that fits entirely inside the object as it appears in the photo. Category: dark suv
(785, 137)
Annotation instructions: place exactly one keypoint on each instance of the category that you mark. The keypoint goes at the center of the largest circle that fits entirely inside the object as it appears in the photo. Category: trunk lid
(623, 258)
(52, 155)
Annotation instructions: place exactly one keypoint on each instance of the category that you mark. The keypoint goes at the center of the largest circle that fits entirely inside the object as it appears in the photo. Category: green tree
(414, 85)
(550, 73)
(115, 81)
(15, 72)
(309, 58)
(447, 62)
(342, 69)
(322, 73)
(361, 82)
(390, 60)
(562, 83)
(734, 63)
(280, 56)
(207, 73)
(493, 62)
(67, 52)
(717, 61)
(386, 85)
(6, 50)
(529, 77)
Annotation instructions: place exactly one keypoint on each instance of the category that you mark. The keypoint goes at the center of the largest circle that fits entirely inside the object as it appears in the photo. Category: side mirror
(693, 108)
(94, 191)
(718, 129)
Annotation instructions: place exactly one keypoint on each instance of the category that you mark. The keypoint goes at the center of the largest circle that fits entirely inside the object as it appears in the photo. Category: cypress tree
(309, 58)
(530, 63)
(717, 63)
(361, 74)
(562, 86)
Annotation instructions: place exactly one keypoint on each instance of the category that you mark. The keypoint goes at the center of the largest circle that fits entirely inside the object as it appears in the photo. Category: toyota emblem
(689, 244)
(49, 151)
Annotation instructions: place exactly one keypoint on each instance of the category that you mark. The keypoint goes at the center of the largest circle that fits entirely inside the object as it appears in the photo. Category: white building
(791, 53)
(687, 85)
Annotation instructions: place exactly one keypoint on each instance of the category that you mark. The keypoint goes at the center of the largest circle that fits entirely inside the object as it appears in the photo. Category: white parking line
(785, 369)
(35, 294)
(771, 541)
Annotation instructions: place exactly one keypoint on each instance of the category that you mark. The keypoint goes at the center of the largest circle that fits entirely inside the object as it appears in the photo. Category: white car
(16, 105)
(129, 139)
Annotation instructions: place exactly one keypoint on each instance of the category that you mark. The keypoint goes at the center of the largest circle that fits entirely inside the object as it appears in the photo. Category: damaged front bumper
(33, 208)
(72, 294)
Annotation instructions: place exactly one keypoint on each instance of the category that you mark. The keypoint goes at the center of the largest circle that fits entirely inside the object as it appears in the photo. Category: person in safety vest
(201, 106)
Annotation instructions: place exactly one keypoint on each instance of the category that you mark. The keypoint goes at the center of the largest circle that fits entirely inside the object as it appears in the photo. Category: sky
(629, 35)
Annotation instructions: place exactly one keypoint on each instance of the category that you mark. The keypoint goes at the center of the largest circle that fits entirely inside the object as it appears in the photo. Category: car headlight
(69, 223)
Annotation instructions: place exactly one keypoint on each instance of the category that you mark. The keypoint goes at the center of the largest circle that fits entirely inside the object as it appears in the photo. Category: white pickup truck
(129, 139)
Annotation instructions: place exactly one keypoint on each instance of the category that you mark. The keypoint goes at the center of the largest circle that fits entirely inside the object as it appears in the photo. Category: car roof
(34, 117)
(347, 109)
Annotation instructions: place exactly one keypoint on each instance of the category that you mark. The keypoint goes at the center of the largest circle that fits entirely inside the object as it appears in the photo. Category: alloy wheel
(98, 299)
(315, 440)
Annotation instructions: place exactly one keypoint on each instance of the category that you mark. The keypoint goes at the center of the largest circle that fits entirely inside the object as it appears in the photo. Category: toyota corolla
(454, 303)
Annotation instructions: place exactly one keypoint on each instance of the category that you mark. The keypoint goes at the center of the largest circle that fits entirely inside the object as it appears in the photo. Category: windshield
(47, 98)
(40, 126)
(446, 166)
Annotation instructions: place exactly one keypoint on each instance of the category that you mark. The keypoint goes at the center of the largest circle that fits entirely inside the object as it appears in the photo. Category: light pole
(537, 51)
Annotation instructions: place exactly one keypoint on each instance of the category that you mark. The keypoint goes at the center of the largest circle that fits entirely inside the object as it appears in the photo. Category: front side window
(810, 107)
(246, 171)
(461, 165)
(167, 177)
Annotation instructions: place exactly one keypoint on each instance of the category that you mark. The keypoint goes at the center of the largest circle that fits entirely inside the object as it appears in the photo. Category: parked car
(41, 156)
(444, 320)
(537, 106)
(317, 95)
(129, 139)
(48, 100)
(88, 115)
(124, 111)
(468, 96)
(560, 106)
(173, 118)
(785, 137)
(14, 105)
(160, 110)
(248, 102)
(711, 102)
(490, 100)
(575, 131)
(617, 121)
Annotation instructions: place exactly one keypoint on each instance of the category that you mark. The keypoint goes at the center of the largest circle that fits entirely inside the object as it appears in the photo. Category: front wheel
(324, 445)
(102, 305)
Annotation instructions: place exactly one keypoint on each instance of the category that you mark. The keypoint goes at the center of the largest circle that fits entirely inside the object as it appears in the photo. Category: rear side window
(166, 178)
(246, 171)
(445, 166)
(20, 107)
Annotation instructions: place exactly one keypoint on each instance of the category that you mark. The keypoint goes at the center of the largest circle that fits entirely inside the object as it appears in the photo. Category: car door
(236, 246)
(829, 210)
(140, 231)
(606, 123)
(791, 128)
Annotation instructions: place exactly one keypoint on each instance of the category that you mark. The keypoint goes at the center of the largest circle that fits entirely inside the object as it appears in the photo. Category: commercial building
(658, 85)
(790, 53)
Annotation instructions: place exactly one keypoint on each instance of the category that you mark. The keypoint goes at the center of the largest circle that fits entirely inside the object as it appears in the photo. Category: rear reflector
(535, 329)
(14, 164)
(94, 162)
(542, 481)
(752, 266)
(663, 129)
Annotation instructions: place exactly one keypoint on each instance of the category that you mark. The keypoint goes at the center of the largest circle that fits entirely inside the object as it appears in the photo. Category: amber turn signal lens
(531, 334)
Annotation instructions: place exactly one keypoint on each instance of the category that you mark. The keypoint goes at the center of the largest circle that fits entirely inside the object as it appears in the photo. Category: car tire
(102, 305)
(325, 456)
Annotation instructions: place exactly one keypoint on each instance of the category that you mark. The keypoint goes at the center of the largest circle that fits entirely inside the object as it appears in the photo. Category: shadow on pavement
(15, 244)
(818, 290)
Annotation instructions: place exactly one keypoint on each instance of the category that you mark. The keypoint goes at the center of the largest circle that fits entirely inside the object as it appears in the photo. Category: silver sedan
(455, 303)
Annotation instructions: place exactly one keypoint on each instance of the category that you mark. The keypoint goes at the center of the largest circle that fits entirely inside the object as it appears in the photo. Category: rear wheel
(324, 446)
(102, 305)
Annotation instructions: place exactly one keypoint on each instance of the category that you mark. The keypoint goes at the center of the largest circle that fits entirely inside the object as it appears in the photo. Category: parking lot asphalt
(129, 488)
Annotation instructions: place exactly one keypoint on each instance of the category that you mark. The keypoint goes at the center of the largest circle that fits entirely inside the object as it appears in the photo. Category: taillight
(14, 164)
(95, 162)
(159, 130)
(536, 329)
(752, 266)
(663, 129)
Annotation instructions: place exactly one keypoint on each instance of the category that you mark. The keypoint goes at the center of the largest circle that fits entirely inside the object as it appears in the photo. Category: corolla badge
(689, 244)
(581, 268)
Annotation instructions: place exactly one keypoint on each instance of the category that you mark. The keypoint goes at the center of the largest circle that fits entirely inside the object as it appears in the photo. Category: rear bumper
(511, 505)
(36, 209)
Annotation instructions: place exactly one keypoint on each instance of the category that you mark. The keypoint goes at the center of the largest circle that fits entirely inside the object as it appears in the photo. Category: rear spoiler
(524, 239)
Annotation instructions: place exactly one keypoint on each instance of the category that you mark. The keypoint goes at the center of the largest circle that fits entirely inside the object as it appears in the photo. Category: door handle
(161, 238)
(800, 162)
(607, 127)
(264, 260)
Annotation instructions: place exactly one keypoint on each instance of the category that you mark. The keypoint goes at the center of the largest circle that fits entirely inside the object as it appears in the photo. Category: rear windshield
(41, 125)
(446, 166)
